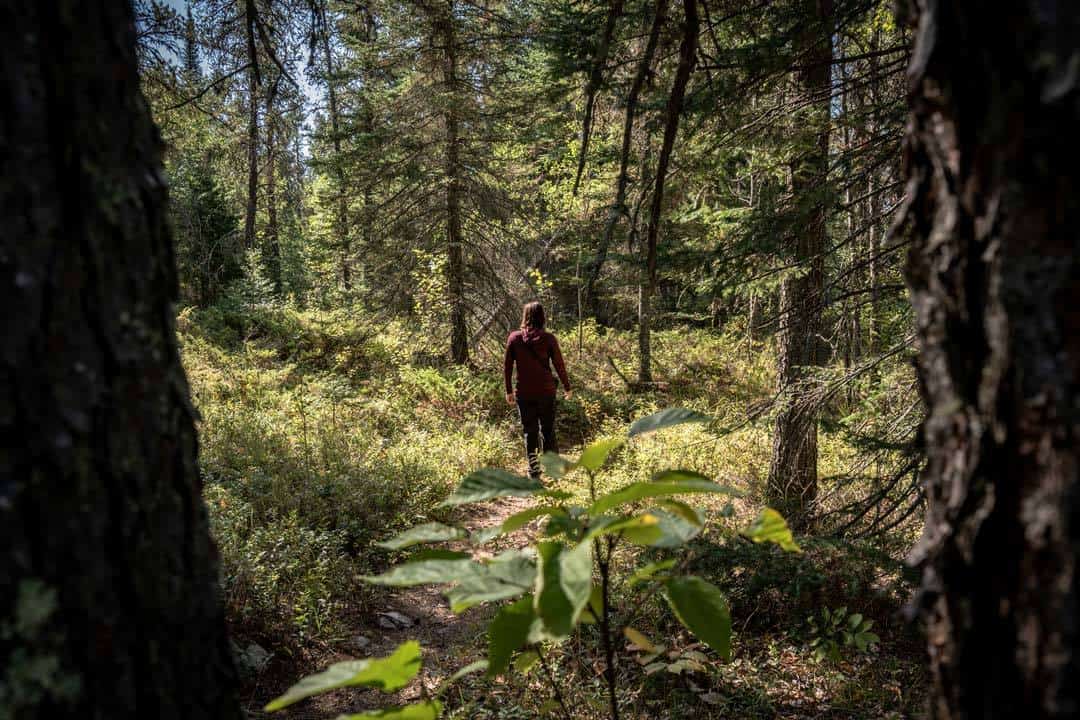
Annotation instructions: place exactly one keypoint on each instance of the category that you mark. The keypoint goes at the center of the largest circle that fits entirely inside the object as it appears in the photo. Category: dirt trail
(449, 641)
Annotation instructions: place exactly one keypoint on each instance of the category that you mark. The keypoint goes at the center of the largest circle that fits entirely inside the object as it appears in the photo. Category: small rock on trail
(393, 620)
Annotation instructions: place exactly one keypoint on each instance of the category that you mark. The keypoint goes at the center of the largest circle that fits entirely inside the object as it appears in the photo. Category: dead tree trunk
(993, 216)
(792, 483)
(107, 560)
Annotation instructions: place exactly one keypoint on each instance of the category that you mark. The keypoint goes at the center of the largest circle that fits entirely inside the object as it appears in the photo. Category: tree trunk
(253, 159)
(618, 207)
(369, 210)
(341, 226)
(993, 214)
(753, 315)
(673, 112)
(273, 240)
(455, 268)
(108, 579)
(873, 222)
(596, 77)
(792, 483)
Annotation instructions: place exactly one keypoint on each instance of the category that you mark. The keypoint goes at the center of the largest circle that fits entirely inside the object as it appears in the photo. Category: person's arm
(560, 366)
(508, 369)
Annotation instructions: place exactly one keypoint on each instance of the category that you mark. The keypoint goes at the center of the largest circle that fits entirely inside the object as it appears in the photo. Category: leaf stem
(604, 562)
(554, 683)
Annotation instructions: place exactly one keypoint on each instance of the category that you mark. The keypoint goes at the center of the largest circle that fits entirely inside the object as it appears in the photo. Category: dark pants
(537, 419)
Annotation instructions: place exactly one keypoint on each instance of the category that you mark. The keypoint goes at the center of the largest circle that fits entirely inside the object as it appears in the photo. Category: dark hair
(532, 316)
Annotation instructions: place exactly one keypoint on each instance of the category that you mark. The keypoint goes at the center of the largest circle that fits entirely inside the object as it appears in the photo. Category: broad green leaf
(430, 710)
(639, 639)
(641, 529)
(563, 582)
(687, 513)
(492, 483)
(664, 419)
(596, 453)
(594, 609)
(555, 465)
(679, 475)
(647, 572)
(389, 674)
(641, 490)
(515, 522)
(508, 632)
(473, 667)
(526, 661)
(703, 609)
(437, 554)
(422, 572)
(523, 518)
(672, 530)
(770, 526)
(568, 524)
(505, 576)
(427, 533)
(539, 633)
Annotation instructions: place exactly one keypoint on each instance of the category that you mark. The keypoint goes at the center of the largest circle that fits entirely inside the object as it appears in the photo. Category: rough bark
(455, 267)
(993, 214)
(673, 112)
(104, 531)
(792, 483)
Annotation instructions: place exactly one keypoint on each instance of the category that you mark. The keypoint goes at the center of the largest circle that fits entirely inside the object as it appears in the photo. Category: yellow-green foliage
(317, 437)
(323, 432)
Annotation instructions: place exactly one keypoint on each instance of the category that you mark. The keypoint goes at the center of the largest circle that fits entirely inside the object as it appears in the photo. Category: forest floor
(321, 436)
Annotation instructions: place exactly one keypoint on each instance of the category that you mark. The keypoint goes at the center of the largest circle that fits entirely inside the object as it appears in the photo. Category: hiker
(533, 350)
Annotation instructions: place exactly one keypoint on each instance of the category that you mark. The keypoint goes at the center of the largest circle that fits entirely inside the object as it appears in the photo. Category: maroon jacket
(534, 351)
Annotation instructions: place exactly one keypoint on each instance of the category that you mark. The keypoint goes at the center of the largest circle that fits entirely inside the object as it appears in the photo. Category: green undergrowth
(325, 432)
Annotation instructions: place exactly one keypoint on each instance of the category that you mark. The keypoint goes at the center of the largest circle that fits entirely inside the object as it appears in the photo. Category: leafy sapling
(834, 630)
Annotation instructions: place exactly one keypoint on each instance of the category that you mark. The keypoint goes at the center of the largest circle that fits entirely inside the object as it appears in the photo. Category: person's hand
(509, 398)
(568, 394)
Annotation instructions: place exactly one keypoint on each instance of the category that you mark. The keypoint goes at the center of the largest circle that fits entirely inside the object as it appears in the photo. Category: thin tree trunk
(273, 240)
(792, 483)
(874, 220)
(341, 226)
(687, 59)
(753, 315)
(993, 216)
(254, 81)
(455, 268)
(368, 209)
(596, 77)
(618, 207)
(107, 553)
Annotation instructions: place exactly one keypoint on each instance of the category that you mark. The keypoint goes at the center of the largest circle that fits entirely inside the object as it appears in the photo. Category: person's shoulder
(550, 337)
(514, 335)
